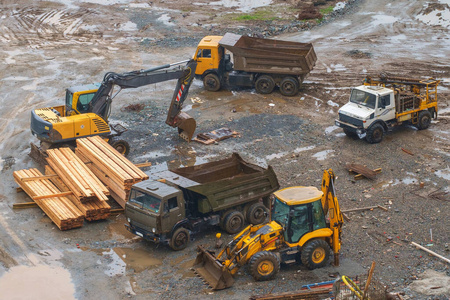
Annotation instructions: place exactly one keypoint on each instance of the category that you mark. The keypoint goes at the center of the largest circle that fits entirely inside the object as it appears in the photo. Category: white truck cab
(379, 105)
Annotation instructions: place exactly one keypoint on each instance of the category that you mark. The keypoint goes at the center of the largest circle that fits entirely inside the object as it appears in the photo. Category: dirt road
(48, 46)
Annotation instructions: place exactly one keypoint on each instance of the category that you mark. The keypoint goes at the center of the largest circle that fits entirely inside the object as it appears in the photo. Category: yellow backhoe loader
(305, 223)
(87, 108)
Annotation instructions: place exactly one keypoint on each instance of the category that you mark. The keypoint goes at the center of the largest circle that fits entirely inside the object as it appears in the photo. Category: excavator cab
(78, 98)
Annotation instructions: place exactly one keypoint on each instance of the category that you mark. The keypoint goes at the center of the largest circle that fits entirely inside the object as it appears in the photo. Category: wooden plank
(53, 195)
(369, 278)
(364, 208)
(38, 177)
(431, 252)
(360, 169)
(143, 165)
(24, 205)
(359, 176)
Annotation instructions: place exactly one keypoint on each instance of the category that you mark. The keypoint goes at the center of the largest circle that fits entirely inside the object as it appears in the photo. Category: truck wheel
(264, 84)
(375, 134)
(121, 146)
(424, 120)
(289, 86)
(256, 213)
(264, 265)
(350, 133)
(211, 82)
(233, 222)
(315, 254)
(179, 239)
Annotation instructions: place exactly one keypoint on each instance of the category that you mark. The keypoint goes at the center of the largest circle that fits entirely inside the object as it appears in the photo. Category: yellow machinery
(87, 109)
(305, 226)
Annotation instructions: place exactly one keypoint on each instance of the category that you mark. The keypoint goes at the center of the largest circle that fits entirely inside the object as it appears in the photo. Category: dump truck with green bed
(173, 203)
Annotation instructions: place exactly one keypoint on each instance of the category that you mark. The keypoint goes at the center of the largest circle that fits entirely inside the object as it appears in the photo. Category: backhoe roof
(298, 195)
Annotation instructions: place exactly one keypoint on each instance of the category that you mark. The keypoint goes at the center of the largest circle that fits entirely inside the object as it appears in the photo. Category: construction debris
(362, 171)
(112, 168)
(50, 199)
(76, 175)
(215, 136)
(407, 151)
(317, 293)
(431, 252)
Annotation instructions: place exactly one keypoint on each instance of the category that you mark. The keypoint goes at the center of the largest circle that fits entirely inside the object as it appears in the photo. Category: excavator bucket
(207, 267)
(186, 126)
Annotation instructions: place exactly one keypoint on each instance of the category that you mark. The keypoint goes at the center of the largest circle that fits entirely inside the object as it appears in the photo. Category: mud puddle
(34, 279)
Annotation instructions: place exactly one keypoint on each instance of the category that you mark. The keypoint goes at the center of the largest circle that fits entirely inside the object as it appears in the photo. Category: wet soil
(48, 46)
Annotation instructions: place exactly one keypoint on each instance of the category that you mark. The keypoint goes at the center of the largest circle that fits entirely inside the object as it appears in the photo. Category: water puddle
(443, 173)
(137, 259)
(241, 5)
(322, 155)
(24, 282)
(330, 129)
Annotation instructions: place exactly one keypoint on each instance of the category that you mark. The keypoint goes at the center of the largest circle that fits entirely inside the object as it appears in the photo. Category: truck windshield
(280, 212)
(363, 98)
(145, 200)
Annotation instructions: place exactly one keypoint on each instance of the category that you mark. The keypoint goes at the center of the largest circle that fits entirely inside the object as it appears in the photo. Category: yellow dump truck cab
(210, 62)
(62, 124)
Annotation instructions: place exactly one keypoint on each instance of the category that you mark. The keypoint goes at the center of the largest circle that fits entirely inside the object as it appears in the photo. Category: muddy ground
(50, 45)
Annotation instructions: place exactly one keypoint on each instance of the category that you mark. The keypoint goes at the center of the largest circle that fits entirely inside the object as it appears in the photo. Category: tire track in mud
(36, 27)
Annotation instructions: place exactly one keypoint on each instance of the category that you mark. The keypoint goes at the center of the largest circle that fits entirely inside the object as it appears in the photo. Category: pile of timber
(93, 210)
(111, 167)
(50, 199)
(76, 175)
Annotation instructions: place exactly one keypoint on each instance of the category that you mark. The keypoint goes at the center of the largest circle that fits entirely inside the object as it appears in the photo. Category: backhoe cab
(305, 223)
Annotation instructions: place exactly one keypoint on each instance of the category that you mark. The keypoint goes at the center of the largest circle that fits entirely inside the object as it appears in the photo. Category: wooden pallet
(93, 210)
(76, 175)
(49, 198)
(111, 167)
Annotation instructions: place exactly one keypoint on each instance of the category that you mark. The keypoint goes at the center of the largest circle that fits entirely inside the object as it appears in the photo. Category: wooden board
(361, 170)
(92, 210)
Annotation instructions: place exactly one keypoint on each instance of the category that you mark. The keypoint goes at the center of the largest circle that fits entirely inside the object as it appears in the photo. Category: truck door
(205, 58)
(385, 107)
(173, 212)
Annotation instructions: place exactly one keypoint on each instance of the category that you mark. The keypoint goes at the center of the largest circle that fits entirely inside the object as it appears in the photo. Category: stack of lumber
(50, 199)
(92, 210)
(111, 167)
(76, 175)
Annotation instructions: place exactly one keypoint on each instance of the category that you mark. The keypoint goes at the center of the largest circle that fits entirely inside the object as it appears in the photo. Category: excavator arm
(101, 102)
(331, 207)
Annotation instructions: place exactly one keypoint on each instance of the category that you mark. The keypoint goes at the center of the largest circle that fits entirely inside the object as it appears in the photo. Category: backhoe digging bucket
(186, 126)
(211, 270)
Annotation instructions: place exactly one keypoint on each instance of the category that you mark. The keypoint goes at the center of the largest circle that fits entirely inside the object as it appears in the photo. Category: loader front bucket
(186, 126)
(211, 270)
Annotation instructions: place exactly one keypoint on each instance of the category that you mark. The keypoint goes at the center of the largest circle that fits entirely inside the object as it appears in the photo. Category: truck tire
(264, 84)
(289, 86)
(264, 265)
(424, 120)
(120, 145)
(256, 213)
(350, 133)
(315, 254)
(233, 222)
(211, 82)
(375, 134)
(179, 240)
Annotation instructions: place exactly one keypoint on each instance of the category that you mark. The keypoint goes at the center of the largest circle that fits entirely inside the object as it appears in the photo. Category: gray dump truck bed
(260, 55)
(223, 183)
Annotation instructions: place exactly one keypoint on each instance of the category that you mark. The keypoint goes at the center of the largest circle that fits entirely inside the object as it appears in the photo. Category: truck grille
(351, 120)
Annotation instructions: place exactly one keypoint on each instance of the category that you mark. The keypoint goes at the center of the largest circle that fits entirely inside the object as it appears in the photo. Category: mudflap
(186, 126)
(38, 155)
(212, 272)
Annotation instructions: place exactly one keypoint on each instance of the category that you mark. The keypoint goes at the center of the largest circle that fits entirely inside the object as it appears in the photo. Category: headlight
(128, 219)
(336, 123)
(153, 230)
(358, 131)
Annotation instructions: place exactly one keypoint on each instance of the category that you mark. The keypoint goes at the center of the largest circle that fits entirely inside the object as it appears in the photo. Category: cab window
(69, 97)
(145, 200)
(83, 102)
(299, 223)
(385, 100)
(172, 203)
(318, 216)
(204, 53)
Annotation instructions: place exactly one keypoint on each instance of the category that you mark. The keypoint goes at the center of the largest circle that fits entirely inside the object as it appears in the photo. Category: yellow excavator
(87, 109)
(305, 226)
